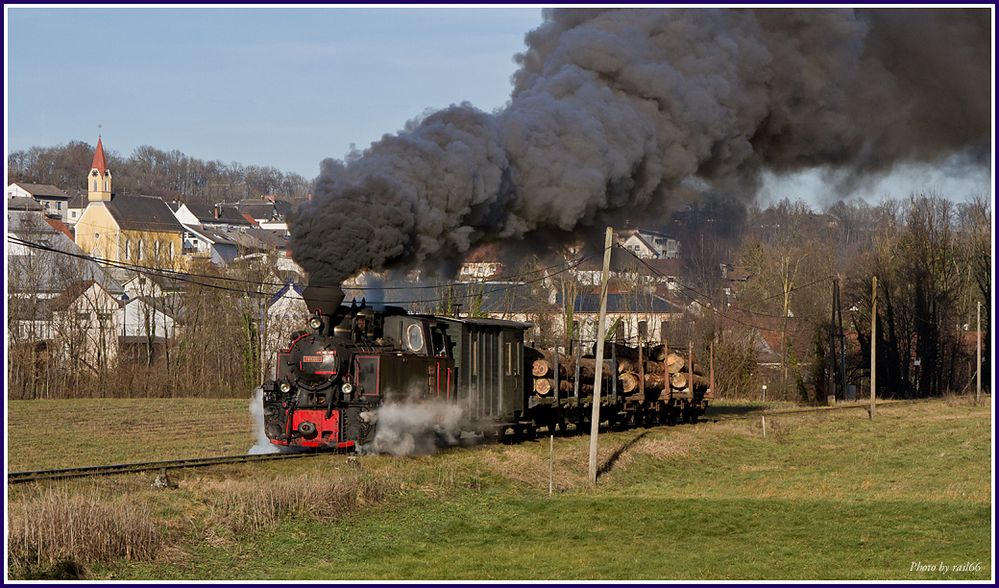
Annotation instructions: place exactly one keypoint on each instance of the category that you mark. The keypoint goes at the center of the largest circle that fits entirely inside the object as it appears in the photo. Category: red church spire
(100, 164)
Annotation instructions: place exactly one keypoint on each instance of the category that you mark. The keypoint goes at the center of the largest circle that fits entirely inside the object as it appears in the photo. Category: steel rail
(146, 466)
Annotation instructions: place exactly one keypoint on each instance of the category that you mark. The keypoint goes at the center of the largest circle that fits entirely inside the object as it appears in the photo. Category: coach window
(509, 359)
(440, 347)
(414, 337)
(475, 355)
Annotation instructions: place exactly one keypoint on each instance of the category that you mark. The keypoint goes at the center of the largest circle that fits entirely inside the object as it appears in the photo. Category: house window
(58, 205)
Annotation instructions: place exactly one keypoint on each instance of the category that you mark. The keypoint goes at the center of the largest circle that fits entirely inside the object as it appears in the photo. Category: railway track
(147, 466)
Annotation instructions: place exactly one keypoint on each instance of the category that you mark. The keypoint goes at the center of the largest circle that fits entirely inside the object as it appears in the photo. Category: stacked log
(664, 371)
(543, 370)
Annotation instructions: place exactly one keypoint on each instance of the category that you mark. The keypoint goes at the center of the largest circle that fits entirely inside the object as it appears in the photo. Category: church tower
(99, 180)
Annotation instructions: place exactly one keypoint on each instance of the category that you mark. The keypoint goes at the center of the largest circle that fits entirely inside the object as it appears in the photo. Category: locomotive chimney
(325, 299)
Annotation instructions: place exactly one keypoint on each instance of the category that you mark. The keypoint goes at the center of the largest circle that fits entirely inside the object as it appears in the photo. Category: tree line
(170, 175)
(932, 258)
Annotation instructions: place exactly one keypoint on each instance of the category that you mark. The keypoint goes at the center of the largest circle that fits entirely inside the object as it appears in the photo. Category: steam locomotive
(352, 359)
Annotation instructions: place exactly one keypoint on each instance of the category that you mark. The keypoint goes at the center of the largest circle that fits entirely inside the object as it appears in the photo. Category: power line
(709, 306)
(167, 272)
(188, 278)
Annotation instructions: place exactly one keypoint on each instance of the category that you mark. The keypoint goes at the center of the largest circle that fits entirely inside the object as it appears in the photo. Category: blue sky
(288, 87)
(282, 87)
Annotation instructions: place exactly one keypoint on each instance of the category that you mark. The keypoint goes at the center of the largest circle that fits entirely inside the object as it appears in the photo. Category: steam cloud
(618, 110)
(416, 427)
(262, 444)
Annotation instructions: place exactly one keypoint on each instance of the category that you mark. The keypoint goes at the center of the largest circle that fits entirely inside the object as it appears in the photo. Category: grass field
(73, 433)
(823, 496)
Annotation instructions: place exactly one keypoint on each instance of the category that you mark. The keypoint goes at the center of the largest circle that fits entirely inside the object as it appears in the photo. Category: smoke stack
(325, 299)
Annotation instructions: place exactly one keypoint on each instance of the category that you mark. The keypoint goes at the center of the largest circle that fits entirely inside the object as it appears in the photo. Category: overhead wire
(189, 277)
(168, 273)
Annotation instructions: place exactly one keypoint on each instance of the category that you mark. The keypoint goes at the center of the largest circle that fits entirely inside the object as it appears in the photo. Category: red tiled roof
(59, 226)
(100, 163)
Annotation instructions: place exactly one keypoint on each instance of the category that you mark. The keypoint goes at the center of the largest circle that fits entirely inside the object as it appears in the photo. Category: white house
(649, 244)
(143, 329)
(85, 325)
(286, 312)
(210, 243)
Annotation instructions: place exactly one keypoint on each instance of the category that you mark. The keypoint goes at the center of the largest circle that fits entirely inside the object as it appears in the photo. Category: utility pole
(842, 339)
(874, 339)
(598, 377)
(978, 355)
(831, 363)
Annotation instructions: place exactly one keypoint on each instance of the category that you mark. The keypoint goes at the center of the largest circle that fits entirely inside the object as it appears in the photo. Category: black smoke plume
(618, 111)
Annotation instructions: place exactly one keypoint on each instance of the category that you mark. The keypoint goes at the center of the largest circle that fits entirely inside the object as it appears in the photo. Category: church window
(128, 249)
(139, 251)
(95, 185)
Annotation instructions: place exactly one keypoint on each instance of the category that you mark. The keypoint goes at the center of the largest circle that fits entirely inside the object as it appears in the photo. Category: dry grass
(66, 531)
(237, 506)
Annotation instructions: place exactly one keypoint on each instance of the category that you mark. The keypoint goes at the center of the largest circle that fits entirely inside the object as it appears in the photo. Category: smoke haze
(619, 112)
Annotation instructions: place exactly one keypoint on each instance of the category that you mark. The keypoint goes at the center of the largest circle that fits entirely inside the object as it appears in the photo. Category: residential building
(285, 314)
(74, 209)
(481, 264)
(648, 244)
(209, 243)
(269, 212)
(54, 200)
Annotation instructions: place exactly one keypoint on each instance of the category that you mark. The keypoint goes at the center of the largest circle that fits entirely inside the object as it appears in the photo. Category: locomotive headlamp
(285, 387)
(347, 388)
(315, 323)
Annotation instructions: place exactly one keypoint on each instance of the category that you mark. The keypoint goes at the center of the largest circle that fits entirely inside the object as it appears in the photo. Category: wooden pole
(874, 339)
(978, 355)
(551, 465)
(598, 376)
(711, 367)
(641, 371)
(690, 368)
(763, 419)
